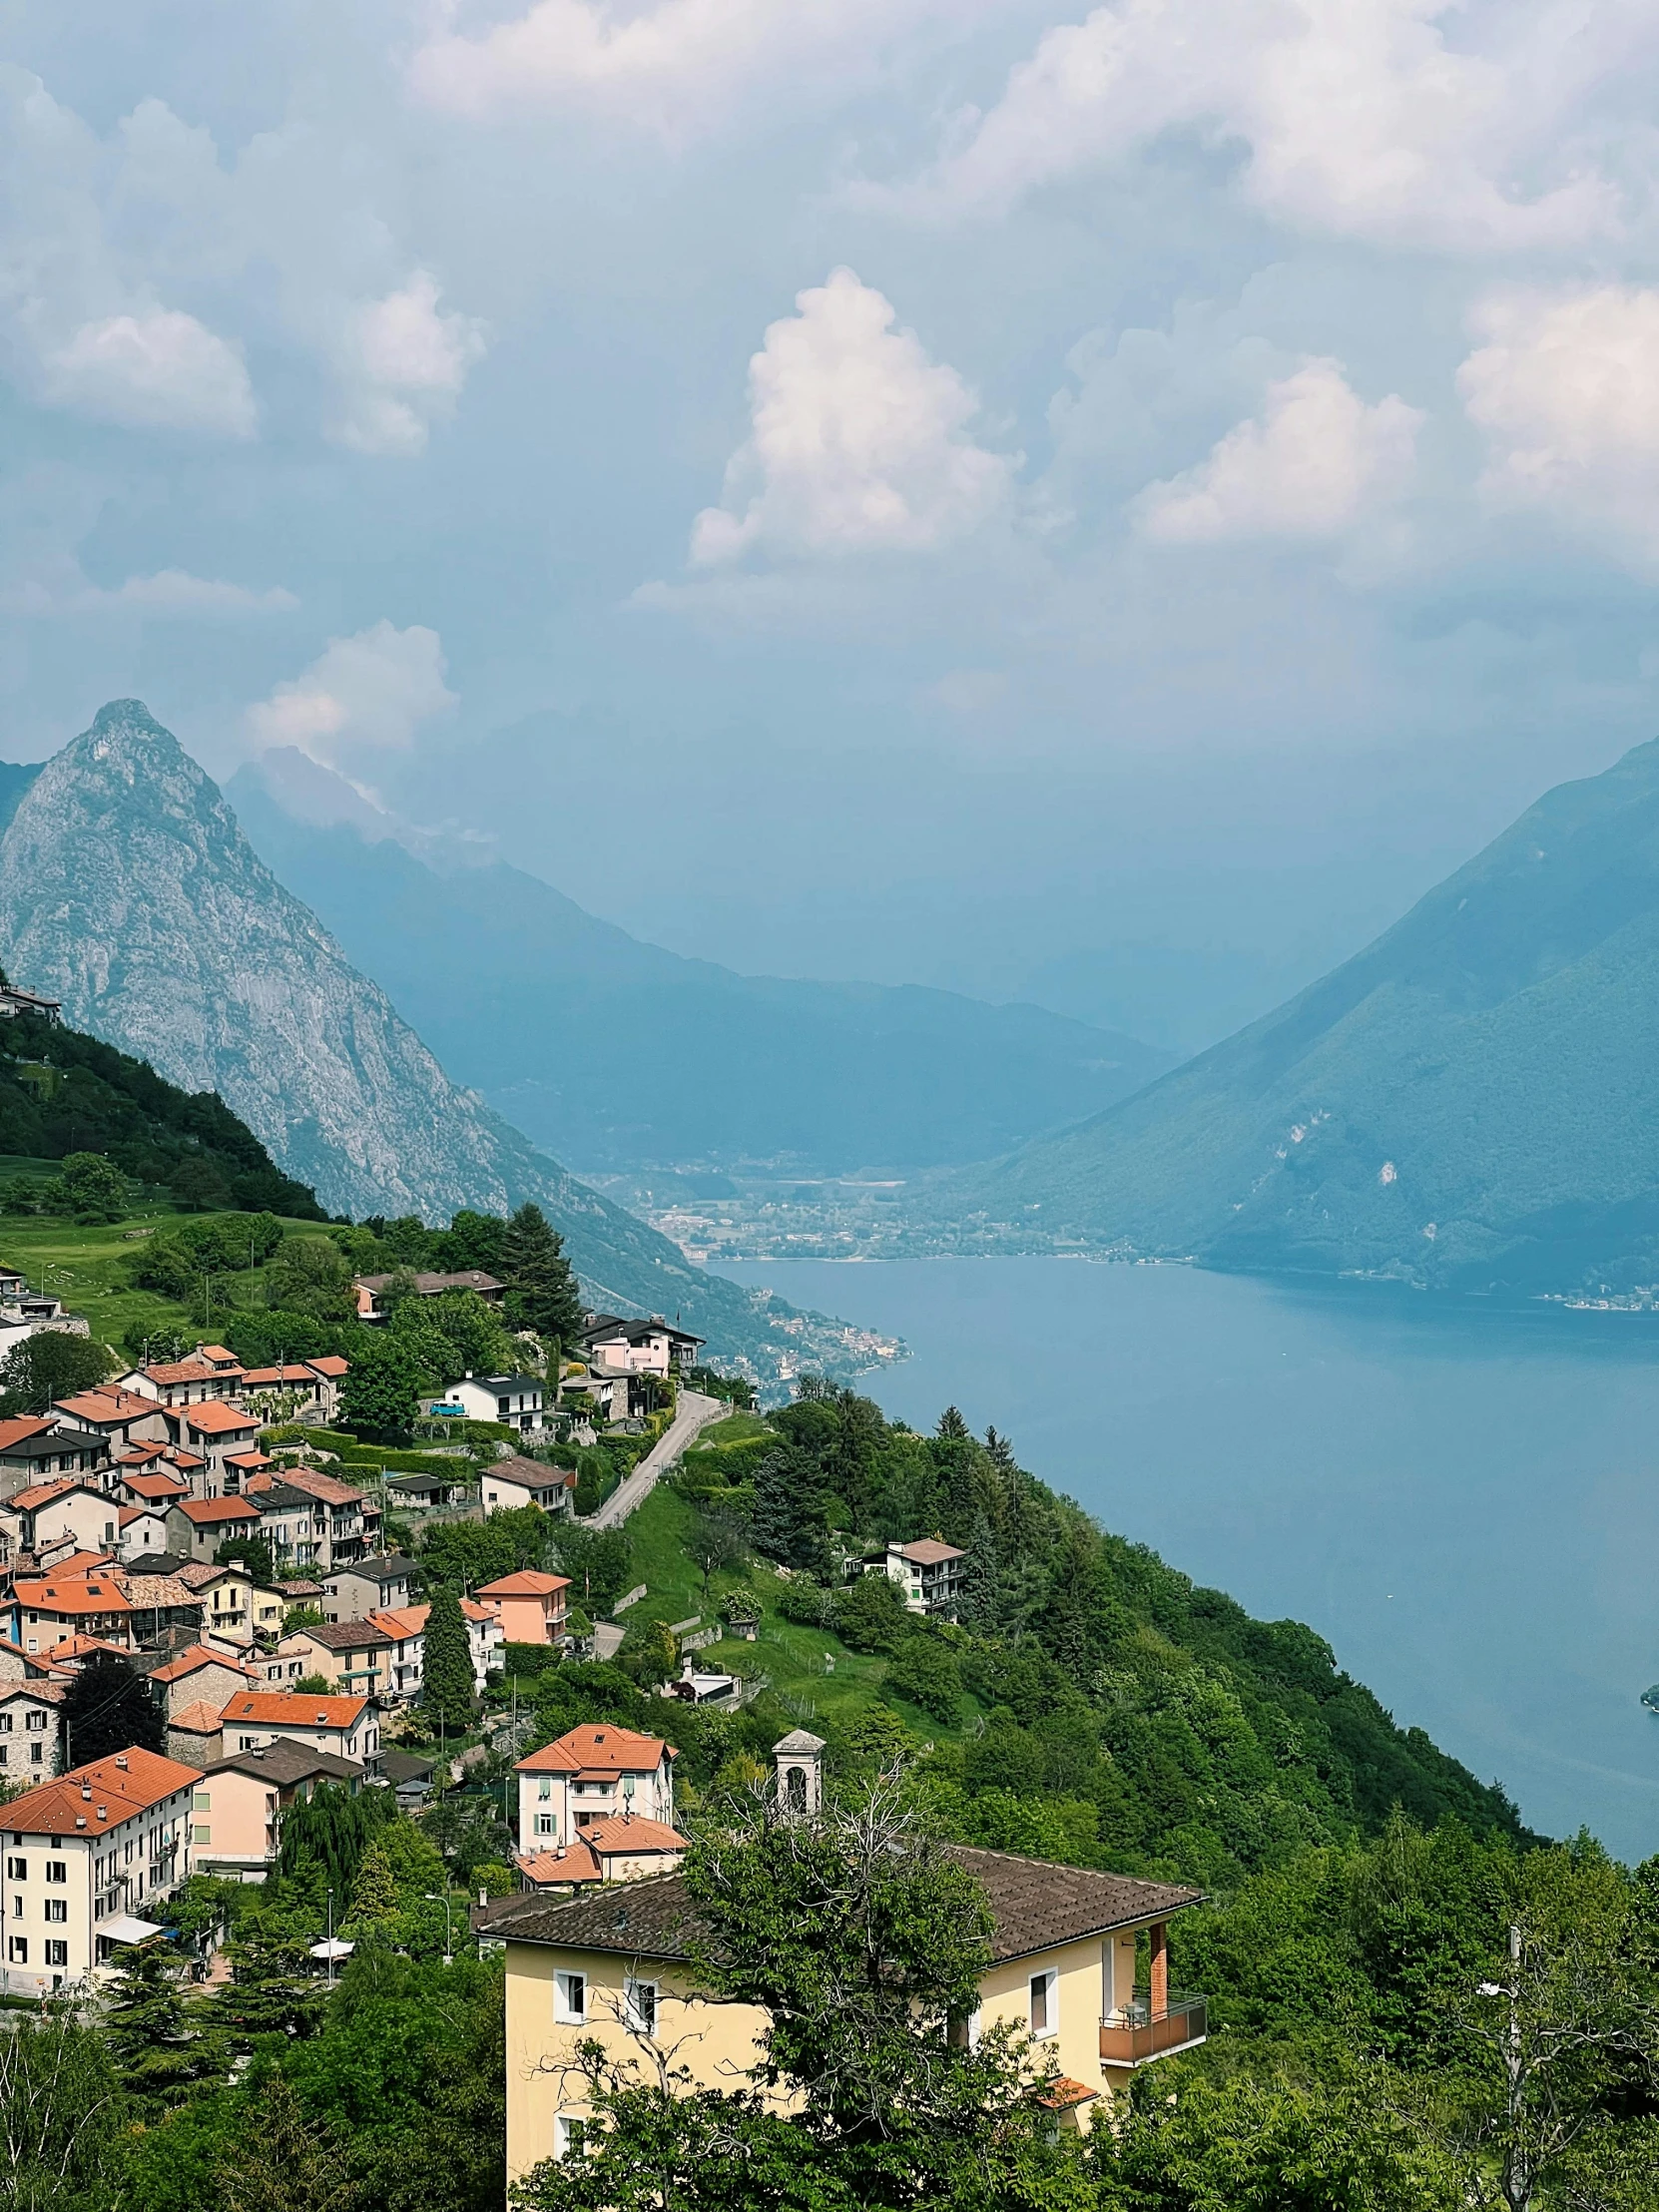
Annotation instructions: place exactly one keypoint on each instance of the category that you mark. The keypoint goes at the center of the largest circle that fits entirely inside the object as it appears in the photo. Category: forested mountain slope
(567, 1023)
(1472, 1102)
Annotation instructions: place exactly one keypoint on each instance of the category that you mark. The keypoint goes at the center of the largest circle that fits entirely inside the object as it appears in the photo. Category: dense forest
(62, 1093)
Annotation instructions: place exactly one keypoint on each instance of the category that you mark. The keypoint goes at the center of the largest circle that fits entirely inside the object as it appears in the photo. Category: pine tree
(447, 1690)
(286, 2164)
(541, 1278)
(156, 2045)
(979, 1573)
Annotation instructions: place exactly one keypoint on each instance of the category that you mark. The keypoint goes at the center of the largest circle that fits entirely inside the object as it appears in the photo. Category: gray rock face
(127, 890)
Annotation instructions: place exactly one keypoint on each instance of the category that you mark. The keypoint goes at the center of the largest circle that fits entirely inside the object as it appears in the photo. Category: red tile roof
(128, 1782)
(331, 1364)
(282, 1709)
(63, 1595)
(598, 1750)
(25, 1425)
(204, 1511)
(213, 1419)
(156, 1489)
(528, 1582)
(192, 1660)
(200, 1718)
(106, 1404)
(326, 1489)
(42, 1494)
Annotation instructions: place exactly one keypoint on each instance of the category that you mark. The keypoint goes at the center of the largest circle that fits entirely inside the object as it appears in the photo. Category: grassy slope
(85, 1266)
(791, 1657)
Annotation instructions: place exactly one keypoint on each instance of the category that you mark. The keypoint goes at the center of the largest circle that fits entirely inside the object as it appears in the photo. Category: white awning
(126, 1928)
(335, 1949)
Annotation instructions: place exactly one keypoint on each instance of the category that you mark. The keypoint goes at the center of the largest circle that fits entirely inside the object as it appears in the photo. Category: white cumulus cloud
(403, 363)
(1361, 117)
(370, 691)
(1566, 391)
(160, 369)
(857, 442)
(674, 68)
(1308, 466)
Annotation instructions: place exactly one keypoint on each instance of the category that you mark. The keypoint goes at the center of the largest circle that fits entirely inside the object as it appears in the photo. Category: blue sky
(897, 489)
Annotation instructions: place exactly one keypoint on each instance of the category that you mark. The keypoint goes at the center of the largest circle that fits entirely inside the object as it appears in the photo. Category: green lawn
(789, 1656)
(87, 1267)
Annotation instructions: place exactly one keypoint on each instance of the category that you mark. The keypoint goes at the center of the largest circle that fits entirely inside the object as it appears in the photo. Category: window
(203, 1802)
(570, 1998)
(17, 1908)
(545, 1824)
(57, 1951)
(201, 1834)
(37, 1755)
(570, 2136)
(17, 1870)
(35, 1722)
(544, 1788)
(1044, 2003)
(57, 1869)
(5, 1724)
(17, 1950)
(642, 2006)
(56, 1910)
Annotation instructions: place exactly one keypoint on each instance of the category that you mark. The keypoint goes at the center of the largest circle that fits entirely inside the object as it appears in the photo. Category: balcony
(1135, 2033)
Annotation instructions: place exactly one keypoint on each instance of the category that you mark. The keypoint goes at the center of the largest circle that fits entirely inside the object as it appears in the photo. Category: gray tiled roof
(1035, 1905)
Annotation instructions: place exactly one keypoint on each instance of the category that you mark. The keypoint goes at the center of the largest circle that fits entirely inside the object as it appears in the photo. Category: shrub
(925, 1671)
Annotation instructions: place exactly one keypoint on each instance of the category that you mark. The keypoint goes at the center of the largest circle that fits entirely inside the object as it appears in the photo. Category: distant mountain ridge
(1472, 1102)
(617, 1054)
(127, 890)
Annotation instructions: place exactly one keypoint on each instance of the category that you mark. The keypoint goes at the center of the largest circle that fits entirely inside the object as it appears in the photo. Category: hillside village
(419, 1644)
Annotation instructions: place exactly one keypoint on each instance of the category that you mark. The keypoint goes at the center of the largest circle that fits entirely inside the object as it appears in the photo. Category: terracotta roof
(167, 1371)
(331, 1365)
(251, 1462)
(1063, 2094)
(204, 1511)
(193, 1661)
(212, 1418)
(1035, 1906)
(200, 1718)
(130, 1783)
(220, 1354)
(42, 1494)
(282, 1709)
(410, 1620)
(156, 1489)
(471, 1610)
(598, 1750)
(528, 1582)
(90, 1593)
(273, 1379)
(26, 1424)
(44, 1693)
(575, 1863)
(86, 1647)
(929, 1552)
(106, 1404)
(618, 1834)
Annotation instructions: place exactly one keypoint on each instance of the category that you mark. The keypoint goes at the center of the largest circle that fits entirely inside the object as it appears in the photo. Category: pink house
(529, 1605)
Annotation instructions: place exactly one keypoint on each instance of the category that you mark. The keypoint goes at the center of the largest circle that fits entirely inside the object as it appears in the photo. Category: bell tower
(799, 1757)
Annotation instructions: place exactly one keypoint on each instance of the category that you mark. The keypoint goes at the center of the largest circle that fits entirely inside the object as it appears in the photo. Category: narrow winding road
(693, 1414)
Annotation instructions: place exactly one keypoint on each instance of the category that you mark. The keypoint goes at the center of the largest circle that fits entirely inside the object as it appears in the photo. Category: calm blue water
(1465, 1502)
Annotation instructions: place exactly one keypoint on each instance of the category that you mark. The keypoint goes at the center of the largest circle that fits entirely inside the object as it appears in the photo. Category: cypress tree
(447, 1690)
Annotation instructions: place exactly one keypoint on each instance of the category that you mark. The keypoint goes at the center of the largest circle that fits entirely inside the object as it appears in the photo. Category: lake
(1464, 1502)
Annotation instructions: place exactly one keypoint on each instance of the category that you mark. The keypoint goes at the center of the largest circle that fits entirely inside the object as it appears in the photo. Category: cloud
(674, 68)
(1308, 466)
(1359, 119)
(402, 363)
(1566, 391)
(371, 691)
(156, 370)
(169, 592)
(857, 442)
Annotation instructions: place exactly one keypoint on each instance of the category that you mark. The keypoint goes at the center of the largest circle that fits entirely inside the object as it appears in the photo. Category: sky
(922, 491)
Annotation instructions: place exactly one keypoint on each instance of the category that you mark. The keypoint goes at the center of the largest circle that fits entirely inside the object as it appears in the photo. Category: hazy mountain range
(1472, 1102)
(127, 890)
(615, 1054)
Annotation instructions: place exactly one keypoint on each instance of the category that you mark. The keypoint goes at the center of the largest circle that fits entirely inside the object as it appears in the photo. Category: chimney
(121, 1761)
(80, 1819)
(85, 1791)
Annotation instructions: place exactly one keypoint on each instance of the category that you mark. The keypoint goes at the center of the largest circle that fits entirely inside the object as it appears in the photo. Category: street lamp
(448, 1951)
(330, 1939)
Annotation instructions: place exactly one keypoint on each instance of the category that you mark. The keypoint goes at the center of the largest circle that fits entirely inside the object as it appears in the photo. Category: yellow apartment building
(614, 1966)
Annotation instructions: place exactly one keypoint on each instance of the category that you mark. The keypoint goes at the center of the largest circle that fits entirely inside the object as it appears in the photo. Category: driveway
(693, 1414)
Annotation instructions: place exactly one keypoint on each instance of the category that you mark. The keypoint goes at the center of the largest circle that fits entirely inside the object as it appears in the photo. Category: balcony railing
(1135, 2033)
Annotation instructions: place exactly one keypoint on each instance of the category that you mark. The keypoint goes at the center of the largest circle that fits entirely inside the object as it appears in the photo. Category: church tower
(800, 1759)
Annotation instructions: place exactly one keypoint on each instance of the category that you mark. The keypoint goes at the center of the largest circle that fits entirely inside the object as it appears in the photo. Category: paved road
(693, 1413)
